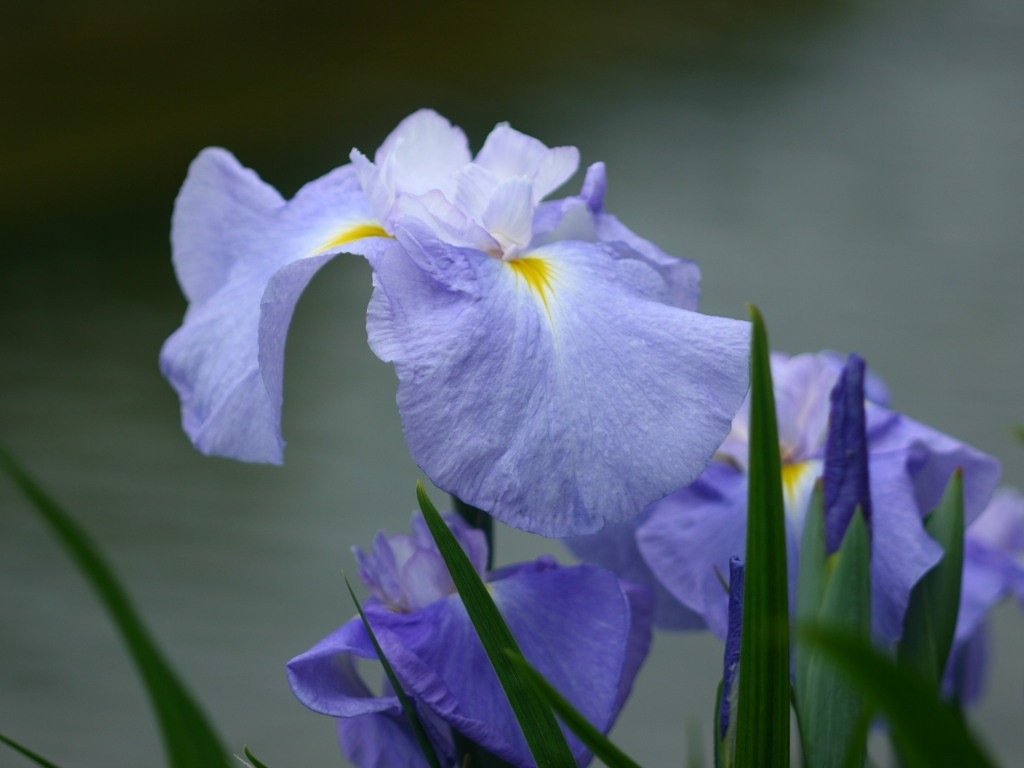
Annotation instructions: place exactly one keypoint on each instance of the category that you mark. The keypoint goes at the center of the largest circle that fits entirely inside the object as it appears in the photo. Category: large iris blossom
(580, 626)
(683, 543)
(993, 570)
(552, 369)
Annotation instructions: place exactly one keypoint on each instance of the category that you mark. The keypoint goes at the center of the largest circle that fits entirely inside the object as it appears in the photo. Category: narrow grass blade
(37, 759)
(927, 731)
(546, 741)
(596, 742)
(762, 726)
(931, 615)
(407, 705)
(188, 738)
(256, 763)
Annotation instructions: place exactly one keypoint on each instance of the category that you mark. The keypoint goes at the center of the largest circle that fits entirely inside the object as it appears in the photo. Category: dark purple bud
(732, 642)
(846, 455)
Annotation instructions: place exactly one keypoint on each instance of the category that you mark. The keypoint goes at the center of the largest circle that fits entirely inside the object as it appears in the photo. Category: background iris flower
(993, 570)
(580, 626)
(551, 369)
(683, 543)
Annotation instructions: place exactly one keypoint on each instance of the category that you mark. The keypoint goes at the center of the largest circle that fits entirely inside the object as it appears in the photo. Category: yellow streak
(537, 273)
(791, 477)
(357, 232)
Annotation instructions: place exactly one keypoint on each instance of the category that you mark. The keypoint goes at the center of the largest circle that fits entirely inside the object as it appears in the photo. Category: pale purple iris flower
(683, 543)
(583, 628)
(552, 369)
(993, 571)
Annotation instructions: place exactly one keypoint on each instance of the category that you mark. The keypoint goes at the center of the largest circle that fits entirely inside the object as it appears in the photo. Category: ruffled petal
(510, 154)
(244, 262)
(548, 390)
(933, 458)
(564, 619)
(423, 153)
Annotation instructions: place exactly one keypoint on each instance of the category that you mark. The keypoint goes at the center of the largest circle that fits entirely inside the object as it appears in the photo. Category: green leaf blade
(927, 731)
(28, 753)
(830, 709)
(930, 623)
(189, 739)
(596, 742)
(546, 741)
(762, 728)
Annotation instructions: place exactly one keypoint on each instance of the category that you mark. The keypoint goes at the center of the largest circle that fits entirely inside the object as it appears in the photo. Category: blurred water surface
(856, 172)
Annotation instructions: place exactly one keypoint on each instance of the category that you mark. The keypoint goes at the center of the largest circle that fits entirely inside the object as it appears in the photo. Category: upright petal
(553, 392)
(244, 262)
(423, 153)
(510, 154)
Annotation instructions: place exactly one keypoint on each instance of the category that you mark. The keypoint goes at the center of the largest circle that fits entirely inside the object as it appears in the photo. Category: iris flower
(552, 368)
(993, 570)
(580, 626)
(682, 543)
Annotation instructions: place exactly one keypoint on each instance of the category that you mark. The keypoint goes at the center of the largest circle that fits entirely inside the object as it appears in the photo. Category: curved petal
(325, 679)
(549, 390)
(934, 457)
(901, 550)
(690, 538)
(565, 620)
(245, 264)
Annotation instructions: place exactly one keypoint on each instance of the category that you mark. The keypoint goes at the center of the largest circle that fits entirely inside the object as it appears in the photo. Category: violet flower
(993, 571)
(682, 540)
(551, 368)
(585, 630)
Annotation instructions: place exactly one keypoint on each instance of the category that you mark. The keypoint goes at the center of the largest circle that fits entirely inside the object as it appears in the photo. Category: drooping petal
(846, 455)
(325, 678)
(933, 458)
(901, 550)
(575, 625)
(244, 262)
(550, 390)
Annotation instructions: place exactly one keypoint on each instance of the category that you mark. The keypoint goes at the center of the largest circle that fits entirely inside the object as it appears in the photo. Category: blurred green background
(853, 168)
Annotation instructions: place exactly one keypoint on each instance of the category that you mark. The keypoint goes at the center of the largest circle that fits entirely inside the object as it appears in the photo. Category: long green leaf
(546, 741)
(407, 706)
(596, 742)
(927, 732)
(830, 708)
(189, 740)
(37, 759)
(256, 762)
(762, 727)
(930, 623)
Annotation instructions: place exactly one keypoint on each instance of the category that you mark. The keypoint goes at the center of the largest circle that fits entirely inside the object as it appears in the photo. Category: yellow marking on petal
(538, 274)
(794, 477)
(358, 232)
